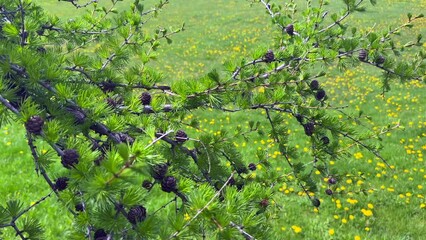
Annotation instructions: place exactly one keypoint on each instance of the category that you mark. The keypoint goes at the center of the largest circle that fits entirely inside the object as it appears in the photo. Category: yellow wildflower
(367, 213)
(296, 229)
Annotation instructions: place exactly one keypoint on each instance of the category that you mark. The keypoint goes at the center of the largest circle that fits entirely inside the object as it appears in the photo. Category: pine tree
(129, 170)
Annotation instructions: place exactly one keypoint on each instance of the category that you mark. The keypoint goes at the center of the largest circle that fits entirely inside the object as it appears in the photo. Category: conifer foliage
(129, 170)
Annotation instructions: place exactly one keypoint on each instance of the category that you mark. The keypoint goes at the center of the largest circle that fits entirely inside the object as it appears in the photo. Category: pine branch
(126, 165)
(240, 229)
(7, 104)
(126, 41)
(12, 223)
(24, 33)
(343, 17)
(36, 162)
(398, 28)
(376, 153)
(156, 9)
(76, 5)
(275, 107)
(268, 8)
(238, 70)
(228, 87)
(30, 207)
(174, 235)
(390, 71)
(18, 232)
(146, 87)
(97, 127)
(382, 132)
(277, 139)
(190, 153)
(268, 74)
(164, 206)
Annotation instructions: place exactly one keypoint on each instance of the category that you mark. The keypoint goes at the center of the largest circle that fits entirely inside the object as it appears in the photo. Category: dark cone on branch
(159, 171)
(34, 125)
(316, 202)
(252, 167)
(240, 186)
(146, 98)
(269, 56)
(241, 169)
(314, 85)
(325, 140)
(329, 192)
(69, 158)
(289, 29)
(167, 108)
(147, 185)
(119, 207)
(332, 181)
(79, 207)
(125, 138)
(231, 182)
(309, 128)
(21, 92)
(181, 136)
(100, 234)
(61, 183)
(107, 86)
(299, 117)
(40, 32)
(320, 95)
(136, 214)
(148, 109)
(169, 184)
(264, 202)
(362, 56)
(99, 159)
(41, 50)
(380, 60)
(114, 102)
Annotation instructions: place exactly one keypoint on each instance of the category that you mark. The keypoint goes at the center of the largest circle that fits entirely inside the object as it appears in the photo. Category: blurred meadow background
(376, 202)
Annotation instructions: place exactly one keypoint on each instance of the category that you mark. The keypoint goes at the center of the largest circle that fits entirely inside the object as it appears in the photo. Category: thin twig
(37, 164)
(240, 229)
(268, 8)
(338, 21)
(283, 153)
(18, 232)
(238, 70)
(159, 137)
(164, 206)
(204, 208)
(24, 33)
(31, 206)
(73, 2)
(346, 135)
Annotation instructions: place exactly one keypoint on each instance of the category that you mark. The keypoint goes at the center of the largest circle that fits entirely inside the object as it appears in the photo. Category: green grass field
(379, 203)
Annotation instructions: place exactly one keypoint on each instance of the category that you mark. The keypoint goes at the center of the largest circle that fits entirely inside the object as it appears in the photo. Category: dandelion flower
(296, 229)
(367, 213)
